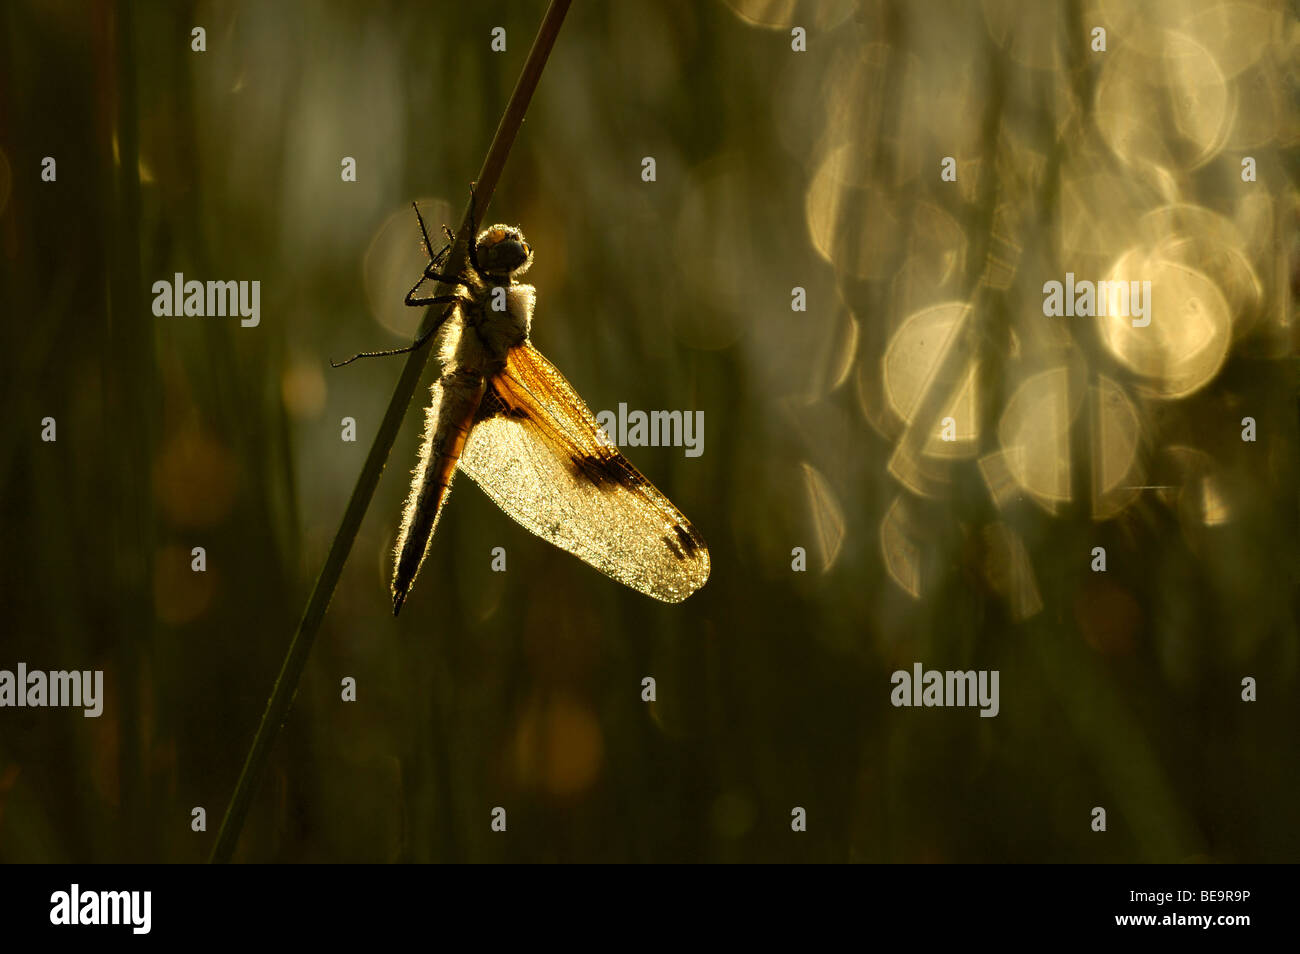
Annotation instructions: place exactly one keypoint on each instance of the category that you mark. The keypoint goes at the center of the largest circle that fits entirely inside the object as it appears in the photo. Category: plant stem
(295, 660)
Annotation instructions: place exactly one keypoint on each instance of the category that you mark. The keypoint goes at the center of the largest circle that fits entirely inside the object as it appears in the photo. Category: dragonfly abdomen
(455, 399)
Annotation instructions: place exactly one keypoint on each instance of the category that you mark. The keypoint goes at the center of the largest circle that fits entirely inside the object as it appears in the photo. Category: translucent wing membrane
(537, 451)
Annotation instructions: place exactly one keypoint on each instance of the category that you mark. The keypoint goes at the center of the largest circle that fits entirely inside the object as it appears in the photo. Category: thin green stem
(295, 660)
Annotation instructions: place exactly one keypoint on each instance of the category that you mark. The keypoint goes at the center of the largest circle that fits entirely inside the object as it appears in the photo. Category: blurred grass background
(775, 169)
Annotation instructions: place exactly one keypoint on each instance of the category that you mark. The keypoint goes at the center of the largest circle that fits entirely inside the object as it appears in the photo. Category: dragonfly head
(501, 250)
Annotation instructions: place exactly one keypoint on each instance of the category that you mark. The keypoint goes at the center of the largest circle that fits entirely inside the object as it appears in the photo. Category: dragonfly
(501, 413)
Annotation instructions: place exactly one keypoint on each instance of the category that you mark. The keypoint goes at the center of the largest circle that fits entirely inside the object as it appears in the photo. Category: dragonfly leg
(428, 245)
(415, 345)
(416, 302)
(430, 273)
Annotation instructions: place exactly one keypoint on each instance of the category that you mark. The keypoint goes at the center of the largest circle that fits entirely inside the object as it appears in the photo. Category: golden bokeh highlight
(1235, 34)
(559, 747)
(912, 366)
(1170, 109)
(1190, 483)
(901, 547)
(1115, 437)
(195, 479)
(1034, 434)
(303, 389)
(853, 227)
(396, 257)
(1207, 242)
(827, 516)
(836, 358)
(1190, 328)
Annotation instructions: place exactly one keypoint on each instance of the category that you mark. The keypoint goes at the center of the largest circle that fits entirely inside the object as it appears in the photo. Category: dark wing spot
(490, 406)
(672, 545)
(583, 469)
(604, 472)
(493, 405)
(686, 536)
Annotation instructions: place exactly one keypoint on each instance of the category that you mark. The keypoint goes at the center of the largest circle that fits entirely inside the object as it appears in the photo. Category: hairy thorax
(478, 342)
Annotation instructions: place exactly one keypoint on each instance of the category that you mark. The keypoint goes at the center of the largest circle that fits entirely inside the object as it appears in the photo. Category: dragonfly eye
(505, 257)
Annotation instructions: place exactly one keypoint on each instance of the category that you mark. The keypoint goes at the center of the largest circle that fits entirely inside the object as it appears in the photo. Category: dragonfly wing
(537, 450)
